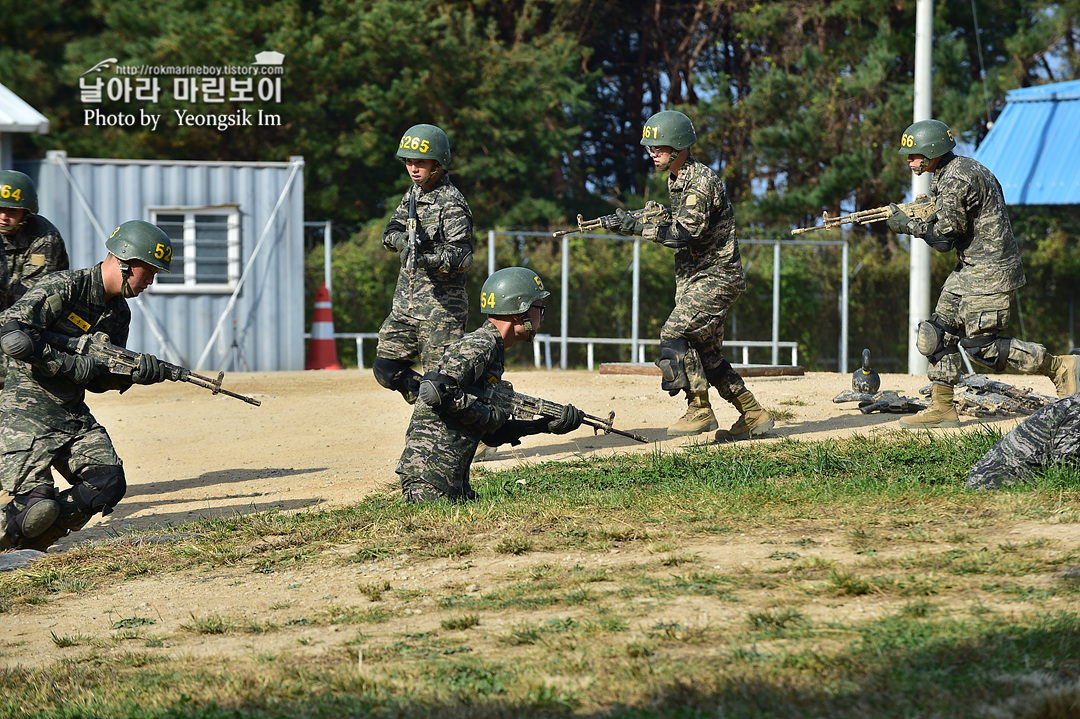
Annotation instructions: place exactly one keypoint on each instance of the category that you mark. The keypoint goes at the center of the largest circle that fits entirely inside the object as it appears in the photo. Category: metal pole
(564, 300)
(491, 252)
(326, 255)
(776, 303)
(919, 285)
(635, 308)
(844, 313)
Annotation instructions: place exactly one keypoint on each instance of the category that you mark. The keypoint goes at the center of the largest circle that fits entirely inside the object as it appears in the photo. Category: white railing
(542, 347)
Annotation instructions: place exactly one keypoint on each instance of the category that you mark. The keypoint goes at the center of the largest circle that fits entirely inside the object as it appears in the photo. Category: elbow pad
(938, 242)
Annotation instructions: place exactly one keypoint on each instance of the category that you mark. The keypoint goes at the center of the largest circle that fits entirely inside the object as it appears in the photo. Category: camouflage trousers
(438, 452)
(31, 445)
(408, 339)
(1051, 435)
(987, 316)
(702, 325)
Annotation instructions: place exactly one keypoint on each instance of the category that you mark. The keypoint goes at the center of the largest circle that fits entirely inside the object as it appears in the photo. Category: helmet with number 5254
(425, 142)
(929, 138)
(511, 291)
(139, 240)
(671, 128)
(17, 191)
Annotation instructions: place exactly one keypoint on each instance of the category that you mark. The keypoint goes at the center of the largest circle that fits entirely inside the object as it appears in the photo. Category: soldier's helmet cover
(929, 138)
(425, 142)
(669, 127)
(511, 291)
(139, 240)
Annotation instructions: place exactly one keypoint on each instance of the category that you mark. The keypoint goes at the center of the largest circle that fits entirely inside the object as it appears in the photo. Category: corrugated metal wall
(269, 310)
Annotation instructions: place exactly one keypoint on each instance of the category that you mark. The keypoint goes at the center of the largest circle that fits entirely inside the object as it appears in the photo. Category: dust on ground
(326, 437)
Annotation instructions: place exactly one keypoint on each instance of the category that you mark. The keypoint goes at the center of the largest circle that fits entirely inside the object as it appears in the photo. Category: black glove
(898, 221)
(151, 370)
(80, 369)
(628, 224)
(570, 420)
(488, 417)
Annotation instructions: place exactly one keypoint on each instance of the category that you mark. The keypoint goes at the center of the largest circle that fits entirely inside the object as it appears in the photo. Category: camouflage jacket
(36, 250)
(1051, 435)
(71, 302)
(476, 359)
(971, 214)
(444, 233)
(700, 226)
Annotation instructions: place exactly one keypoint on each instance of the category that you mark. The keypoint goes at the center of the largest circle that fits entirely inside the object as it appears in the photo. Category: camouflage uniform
(700, 226)
(972, 218)
(44, 421)
(37, 249)
(1049, 436)
(440, 443)
(421, 326)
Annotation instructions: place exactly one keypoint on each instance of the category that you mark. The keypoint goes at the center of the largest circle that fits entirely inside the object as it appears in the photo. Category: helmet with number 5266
(929, 138)
(139, 240)
(511, 291)
(425, 142)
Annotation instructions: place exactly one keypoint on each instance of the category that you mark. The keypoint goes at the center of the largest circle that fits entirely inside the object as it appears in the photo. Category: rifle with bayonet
(652, 212)
(921, 209)
(122, 361)
(410, 226)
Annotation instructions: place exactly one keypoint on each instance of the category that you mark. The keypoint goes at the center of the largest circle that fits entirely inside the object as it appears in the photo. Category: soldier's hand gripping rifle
(652, 212)
(122, 361)
(410, 226)
(921, 209)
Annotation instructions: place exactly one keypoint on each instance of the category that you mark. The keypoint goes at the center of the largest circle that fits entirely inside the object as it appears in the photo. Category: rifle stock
(122, 361)
(921, 209)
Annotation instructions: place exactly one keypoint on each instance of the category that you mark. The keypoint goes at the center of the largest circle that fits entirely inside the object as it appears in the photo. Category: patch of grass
(374, 590)
(210, 624)
(465, 621)
(775, 619)
(70, 640)
(514, 545)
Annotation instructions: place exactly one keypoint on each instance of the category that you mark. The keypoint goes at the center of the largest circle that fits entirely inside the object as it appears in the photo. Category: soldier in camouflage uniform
(973, 307)
(448, 423)
(430, 306)
(33, 245)
(700, 227)
(1049, 436)
(44, 421)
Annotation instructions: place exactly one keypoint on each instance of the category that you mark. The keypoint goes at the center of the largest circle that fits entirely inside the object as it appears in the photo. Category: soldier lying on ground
(448, 423)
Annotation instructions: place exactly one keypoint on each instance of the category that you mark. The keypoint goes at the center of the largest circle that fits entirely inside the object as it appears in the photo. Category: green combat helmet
(511, 291)
(17, 192)
(671, 128)
(139, 240)
(425, 142)
(929, 138)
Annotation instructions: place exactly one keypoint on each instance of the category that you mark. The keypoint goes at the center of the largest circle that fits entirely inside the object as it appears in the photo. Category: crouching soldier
(448, 422)
(44, 421)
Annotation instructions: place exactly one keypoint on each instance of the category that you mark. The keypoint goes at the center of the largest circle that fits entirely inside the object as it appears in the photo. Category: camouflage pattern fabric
(971, 212)
(983, 314)
(438, 447)
(1049, 436)
(43, 417)
(404, 338)
(700, 226)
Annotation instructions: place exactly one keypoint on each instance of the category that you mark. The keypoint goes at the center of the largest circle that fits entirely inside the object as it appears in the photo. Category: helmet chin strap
(525, 320)
(14, 229)
(125, 272)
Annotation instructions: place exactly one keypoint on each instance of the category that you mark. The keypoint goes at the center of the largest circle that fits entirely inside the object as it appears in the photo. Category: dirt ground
(334, 437)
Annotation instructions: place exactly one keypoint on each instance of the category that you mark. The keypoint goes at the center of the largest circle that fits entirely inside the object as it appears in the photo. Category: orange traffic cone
(322, 353)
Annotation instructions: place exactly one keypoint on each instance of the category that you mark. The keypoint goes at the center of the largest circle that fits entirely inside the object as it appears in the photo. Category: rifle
(410, 225)
(651, 212)
(884, 401)
(978, 395)
(921, 209)
(122, 361)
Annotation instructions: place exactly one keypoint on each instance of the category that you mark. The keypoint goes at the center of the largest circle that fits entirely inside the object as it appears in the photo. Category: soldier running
(973, 307)
(700, 227)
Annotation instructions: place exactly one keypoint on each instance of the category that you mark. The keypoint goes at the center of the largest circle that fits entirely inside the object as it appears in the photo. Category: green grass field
(850, 578)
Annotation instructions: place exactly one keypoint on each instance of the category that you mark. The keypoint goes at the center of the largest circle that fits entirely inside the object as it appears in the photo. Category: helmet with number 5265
(139, 240)
(425, 142)
(511, 291)
(929, 138)
(671, 128)
(17, 191)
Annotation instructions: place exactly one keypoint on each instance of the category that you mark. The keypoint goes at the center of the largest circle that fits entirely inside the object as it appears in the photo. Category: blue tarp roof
(1034, 147)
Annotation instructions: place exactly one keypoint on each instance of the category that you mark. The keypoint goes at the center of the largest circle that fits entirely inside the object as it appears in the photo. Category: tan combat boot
(1065, 372)
(940, 414)
(752, 421)
(699, 416)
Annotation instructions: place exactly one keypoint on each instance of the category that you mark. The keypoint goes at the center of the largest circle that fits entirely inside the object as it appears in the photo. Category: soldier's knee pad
(99, 489)
(988, 350)
(931, 340)
(672, 364)
(392, 374)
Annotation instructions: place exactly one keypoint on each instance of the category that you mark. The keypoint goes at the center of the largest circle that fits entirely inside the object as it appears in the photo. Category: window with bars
(206, 249)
